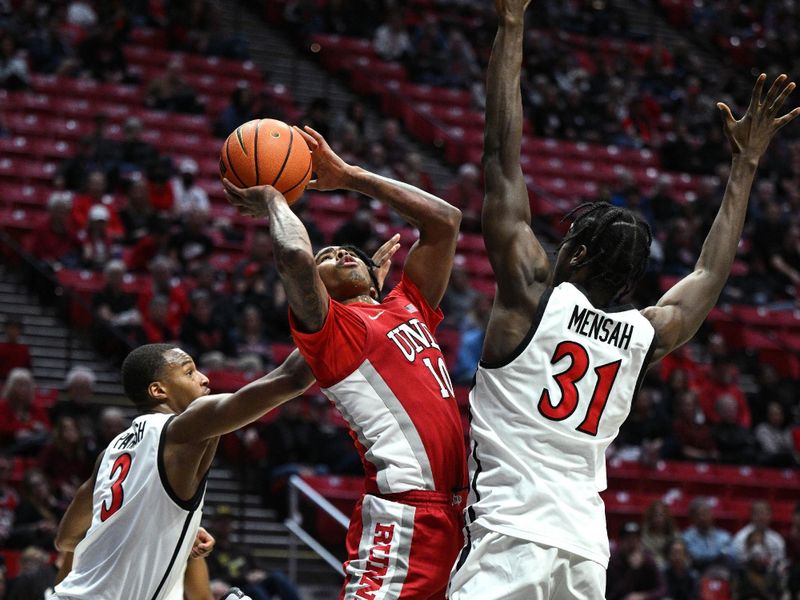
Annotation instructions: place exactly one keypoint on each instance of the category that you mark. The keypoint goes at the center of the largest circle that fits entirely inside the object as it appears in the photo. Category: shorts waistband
(422, 497)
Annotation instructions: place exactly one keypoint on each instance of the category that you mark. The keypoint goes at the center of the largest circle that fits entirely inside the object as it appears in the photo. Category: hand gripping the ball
(252, 201)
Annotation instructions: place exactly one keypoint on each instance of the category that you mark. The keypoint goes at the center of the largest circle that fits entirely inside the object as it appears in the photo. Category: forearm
(196, 583)
(719, 248)
(213, 416)
(420, 208)
(506, 201)
(289, 236)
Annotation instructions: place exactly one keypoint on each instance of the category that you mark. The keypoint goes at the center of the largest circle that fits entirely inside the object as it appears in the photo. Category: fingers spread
(315, 134)
(725, 110)
(788, 118)
(776, 105)
(774, 89)
(755, 99)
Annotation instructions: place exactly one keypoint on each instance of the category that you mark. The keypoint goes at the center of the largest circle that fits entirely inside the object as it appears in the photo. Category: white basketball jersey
(141, 532)
(542, 420)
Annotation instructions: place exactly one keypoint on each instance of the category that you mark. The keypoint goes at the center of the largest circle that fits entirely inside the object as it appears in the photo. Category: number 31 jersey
(141, 533)
(542, 420)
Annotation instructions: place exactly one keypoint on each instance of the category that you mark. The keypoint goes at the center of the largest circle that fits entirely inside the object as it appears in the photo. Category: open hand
(383, 258)
(332, 172)
(203, 544)
(253, 201)
(750, 136)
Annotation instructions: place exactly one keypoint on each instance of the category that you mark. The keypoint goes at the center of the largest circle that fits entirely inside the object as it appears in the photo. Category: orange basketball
(267, 151)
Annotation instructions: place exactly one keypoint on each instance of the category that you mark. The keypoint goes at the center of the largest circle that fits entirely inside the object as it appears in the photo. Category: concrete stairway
(55, 348)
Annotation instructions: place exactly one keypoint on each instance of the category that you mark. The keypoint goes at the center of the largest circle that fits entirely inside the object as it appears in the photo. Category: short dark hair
(617, 242)
(141, 368)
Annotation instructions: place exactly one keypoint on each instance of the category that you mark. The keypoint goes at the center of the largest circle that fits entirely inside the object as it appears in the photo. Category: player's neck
(365, 298)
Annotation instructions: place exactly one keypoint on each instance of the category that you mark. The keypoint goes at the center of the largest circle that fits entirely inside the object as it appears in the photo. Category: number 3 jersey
(542, 420)
(141, 533)
(383, 369)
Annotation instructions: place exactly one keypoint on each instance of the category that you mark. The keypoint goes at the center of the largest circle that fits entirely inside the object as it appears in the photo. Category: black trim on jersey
(478, 469)
(192, 503)
(645, 364)
(537, 318)
(186, 524)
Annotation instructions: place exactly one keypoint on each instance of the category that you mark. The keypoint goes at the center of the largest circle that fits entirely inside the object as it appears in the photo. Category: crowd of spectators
(654, 559)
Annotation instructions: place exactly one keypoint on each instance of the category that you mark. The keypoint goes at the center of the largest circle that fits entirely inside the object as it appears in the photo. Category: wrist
(746, 159)
(353, 177)
(511, 22)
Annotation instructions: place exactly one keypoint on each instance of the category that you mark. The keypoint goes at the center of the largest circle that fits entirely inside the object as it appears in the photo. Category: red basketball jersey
(381, 366)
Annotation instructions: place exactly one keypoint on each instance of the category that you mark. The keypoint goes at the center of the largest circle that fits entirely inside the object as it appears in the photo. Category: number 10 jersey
(542, 420)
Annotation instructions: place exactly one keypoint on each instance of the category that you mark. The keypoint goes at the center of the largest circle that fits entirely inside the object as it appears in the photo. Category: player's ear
(579, 256)
(157, 392)
(373, 292)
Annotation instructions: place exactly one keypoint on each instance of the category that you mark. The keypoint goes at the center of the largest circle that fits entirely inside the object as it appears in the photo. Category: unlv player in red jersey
(379, 362)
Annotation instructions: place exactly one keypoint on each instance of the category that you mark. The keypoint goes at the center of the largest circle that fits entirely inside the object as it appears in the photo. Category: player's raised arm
(519, 262)
(680, 312)
(294, 256)
(212, 416)
(430, 259)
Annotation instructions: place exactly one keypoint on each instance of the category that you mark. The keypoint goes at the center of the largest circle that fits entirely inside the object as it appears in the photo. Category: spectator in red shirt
(23, 426)
(691, 434)
(13, 353)
(97, 247)
(720, 382)
(163, 282)
(55, 241)
(95, 194)
(157, 324)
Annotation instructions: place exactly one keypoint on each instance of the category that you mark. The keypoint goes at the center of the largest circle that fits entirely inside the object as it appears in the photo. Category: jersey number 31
(566, 380)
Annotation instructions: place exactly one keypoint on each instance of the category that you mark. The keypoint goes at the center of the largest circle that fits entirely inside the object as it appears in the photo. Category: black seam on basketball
(230, 162)
(255, 149)
(286, 158)
(241, 141)
(299, 182)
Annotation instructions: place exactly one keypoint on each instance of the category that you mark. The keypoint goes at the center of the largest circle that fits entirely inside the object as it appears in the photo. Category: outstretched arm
(212, 416)
(294, 256)
(76, 520)
(680, 312)
(518, 260)
(430, 259)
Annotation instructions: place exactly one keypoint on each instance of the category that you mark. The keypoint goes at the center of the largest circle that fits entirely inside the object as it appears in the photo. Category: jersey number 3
(566, 380)
(121, 465)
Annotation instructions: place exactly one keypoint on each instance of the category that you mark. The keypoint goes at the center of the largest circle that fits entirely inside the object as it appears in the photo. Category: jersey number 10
(566, 380)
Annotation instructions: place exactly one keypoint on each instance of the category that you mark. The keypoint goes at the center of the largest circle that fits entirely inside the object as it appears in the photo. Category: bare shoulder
(509, 326)
(666, 322)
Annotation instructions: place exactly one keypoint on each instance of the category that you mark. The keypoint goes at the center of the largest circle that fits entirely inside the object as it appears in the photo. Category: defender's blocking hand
(750, 136)
(383, 258)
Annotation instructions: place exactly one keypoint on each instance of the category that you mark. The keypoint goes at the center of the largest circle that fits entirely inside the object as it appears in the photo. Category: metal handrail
(294, 523)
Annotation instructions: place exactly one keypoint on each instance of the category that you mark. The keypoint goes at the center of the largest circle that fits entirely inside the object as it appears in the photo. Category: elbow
(63, 544)
(452, 218)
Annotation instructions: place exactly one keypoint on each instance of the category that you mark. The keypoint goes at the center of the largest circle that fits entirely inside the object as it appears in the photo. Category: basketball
(267, 151)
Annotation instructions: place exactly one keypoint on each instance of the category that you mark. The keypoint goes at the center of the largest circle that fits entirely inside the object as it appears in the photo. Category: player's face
(344, 274)
(181, 380)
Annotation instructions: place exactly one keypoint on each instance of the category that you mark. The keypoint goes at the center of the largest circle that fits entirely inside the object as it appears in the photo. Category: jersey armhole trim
(646, 364)
(192, 503)
(537, 318)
